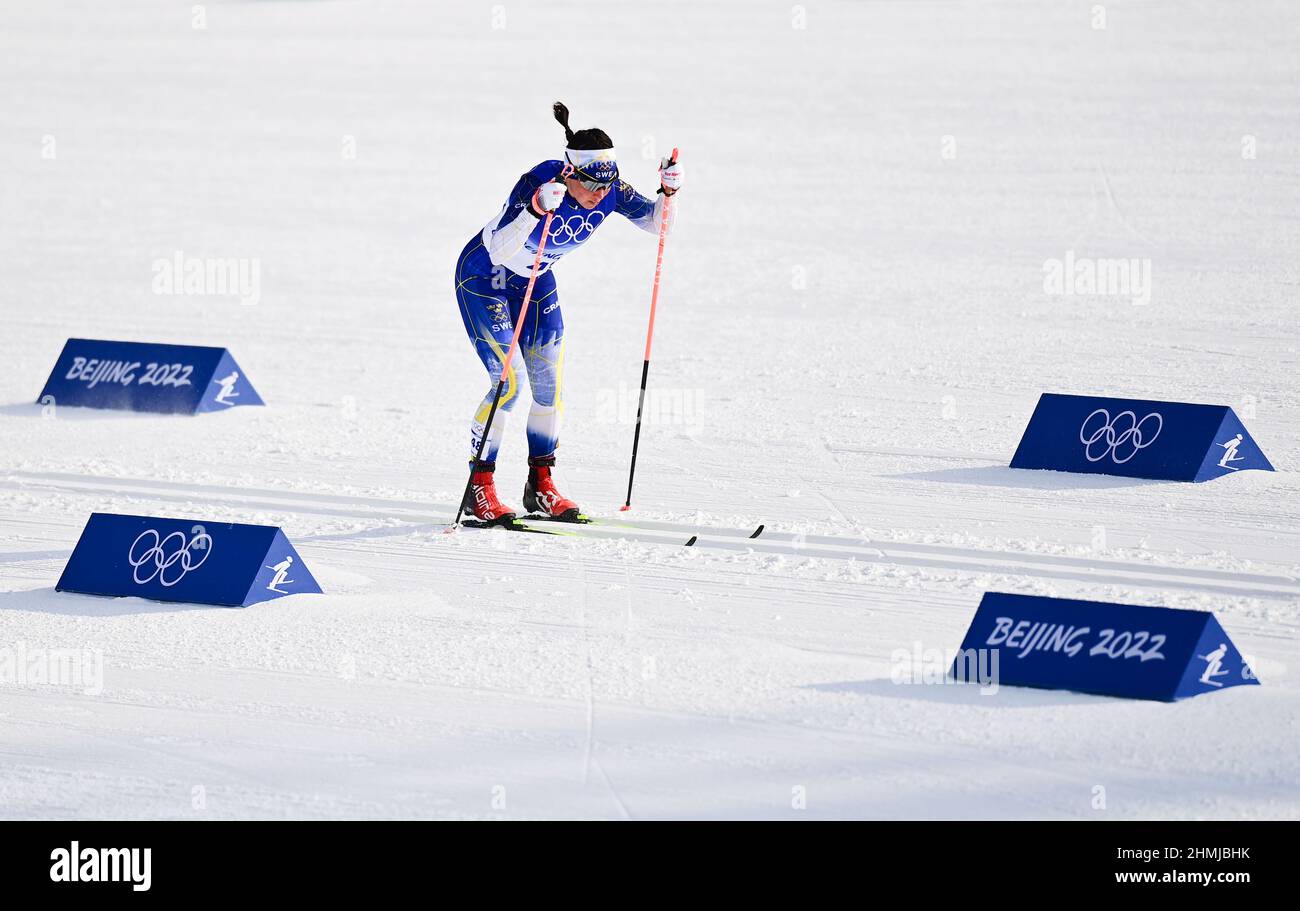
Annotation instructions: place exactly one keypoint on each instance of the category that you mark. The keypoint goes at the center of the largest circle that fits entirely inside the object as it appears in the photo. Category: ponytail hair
(561, 111)
(582, 139)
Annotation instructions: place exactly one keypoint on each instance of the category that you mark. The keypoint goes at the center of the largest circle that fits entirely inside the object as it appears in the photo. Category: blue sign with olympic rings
(134, 376)
(1097, 647)
(184, 560)
(1135, 438)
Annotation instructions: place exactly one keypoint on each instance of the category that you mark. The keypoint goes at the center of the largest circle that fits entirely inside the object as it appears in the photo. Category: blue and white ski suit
(491, 276)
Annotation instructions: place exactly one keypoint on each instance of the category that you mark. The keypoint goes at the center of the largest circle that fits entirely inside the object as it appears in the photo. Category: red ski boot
(540, 495)
(483, 501)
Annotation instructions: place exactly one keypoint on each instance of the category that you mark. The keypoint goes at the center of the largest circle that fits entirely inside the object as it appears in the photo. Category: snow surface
(853, 329)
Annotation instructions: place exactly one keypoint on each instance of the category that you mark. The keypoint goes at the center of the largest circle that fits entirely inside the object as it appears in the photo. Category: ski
(595, 527)
(515, 525)
(575, 530)
(648, 525)
(570, 528)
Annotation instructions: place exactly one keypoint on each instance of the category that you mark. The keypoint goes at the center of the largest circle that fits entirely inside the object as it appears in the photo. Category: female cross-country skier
(491, 276)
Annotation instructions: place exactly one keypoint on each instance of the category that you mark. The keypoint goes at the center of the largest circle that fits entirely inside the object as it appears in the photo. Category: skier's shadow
(1025, 479)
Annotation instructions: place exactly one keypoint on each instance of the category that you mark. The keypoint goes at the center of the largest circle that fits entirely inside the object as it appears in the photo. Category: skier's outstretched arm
(643, 212)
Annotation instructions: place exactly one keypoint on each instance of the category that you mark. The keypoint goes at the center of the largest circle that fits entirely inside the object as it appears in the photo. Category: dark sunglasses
(595, 186)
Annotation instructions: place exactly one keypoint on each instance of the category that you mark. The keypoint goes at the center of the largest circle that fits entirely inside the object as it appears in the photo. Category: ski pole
(649, 337)
(505, 365)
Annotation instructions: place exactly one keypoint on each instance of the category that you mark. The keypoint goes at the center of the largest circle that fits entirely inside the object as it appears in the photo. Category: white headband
(580, 157)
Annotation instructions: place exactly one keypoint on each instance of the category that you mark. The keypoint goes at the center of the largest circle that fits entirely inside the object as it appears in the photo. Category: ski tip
(757, 531)
(692, 541)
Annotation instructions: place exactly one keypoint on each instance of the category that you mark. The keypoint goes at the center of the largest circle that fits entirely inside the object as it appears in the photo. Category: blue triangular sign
(1232, 449)
(1215, 664)
(282, 573)
(228, 388)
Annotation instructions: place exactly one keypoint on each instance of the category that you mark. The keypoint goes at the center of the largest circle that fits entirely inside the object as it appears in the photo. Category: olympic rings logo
(576, 228)
(168, 559)
(1120, 437)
